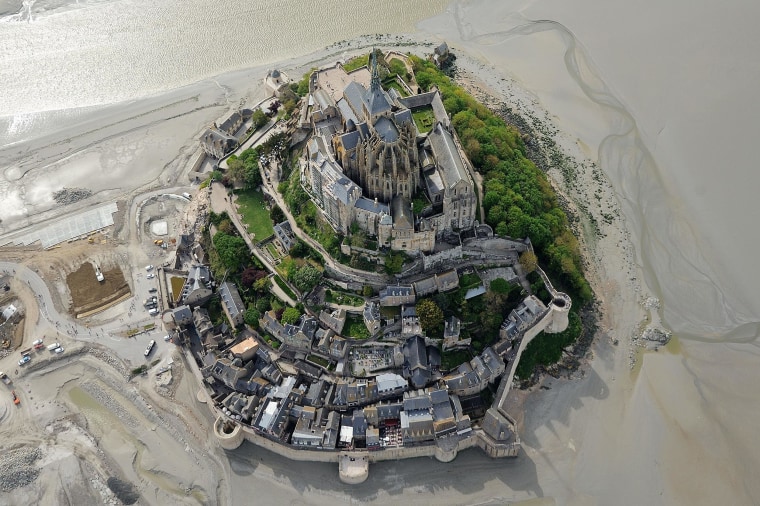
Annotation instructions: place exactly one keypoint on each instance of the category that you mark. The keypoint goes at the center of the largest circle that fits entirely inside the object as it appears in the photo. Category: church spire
(375, 81)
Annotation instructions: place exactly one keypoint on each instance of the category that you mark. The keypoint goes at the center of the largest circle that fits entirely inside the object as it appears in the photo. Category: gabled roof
(447, 156)
(349, 140)
(354, 94)
(346, 111)
(371, 206)
(386, 129)
(377, 101)
(402, 213)
(344, 188)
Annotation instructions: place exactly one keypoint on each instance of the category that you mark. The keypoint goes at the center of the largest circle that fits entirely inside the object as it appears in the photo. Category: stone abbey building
(367, 160)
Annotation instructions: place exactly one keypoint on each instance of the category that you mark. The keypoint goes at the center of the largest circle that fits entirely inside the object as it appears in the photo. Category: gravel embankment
(17, 468)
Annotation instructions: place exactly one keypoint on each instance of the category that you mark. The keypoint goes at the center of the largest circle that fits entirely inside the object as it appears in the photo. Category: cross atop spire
(375, 81)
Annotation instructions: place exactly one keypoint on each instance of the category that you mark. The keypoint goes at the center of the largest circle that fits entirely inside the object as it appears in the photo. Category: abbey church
(367, 159)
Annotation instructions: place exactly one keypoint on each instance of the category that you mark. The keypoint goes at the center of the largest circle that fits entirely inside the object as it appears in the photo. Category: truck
(5, 378)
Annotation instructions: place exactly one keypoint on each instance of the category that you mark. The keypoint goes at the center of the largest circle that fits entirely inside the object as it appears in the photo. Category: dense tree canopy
(518, 200)
(290, 315)
(231, 248)
(251, 317)
(305, 277)
(431, 317)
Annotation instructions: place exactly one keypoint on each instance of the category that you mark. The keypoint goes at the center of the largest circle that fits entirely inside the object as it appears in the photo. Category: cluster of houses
(308, 393)
(300, 410)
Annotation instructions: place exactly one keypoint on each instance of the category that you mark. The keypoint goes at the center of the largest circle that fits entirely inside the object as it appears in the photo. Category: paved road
(108, 334)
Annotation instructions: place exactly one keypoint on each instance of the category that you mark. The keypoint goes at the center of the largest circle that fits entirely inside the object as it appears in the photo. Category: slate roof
(386, 129)
(349, 140)
(403, 116)
(353, 94)
(323, 99)
(370, 205)
(449, 161)
(416, 361)
(377, 101)
(343, 188)
(231, 299)
(346, 112)
(402, 213)
(418, 403)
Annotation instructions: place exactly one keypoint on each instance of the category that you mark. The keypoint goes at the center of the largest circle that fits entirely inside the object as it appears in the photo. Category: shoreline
(536, 400)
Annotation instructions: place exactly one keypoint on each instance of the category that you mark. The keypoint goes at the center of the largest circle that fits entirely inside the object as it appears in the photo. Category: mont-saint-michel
(384, 391)
(151, 158)
(331, 280)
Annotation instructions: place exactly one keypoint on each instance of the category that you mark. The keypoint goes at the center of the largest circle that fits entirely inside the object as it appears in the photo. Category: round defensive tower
(560, 306)
(229, 434)
(445, 454)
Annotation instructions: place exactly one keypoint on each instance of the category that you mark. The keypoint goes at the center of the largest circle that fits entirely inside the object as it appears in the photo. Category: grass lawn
(389, 312)
(424, 118)
(344, 298)
(285, 288)
(273, 250)
(392, 83)
(356, 63)
(355, 327)
(317, 360)
(255, 214)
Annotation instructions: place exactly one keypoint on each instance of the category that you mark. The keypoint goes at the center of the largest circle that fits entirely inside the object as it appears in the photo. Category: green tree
(367, 291)
(226, 226)
(263, 304)
(262, 285)
(251, 317)
(290, 315)
(259, 119)
(528, 261)
(299, 249)
(276, 214)
(231, 249)
(359, 239)
(500, 286)
(394, 262)
(235, 170)
(431, 317)
(305, 278)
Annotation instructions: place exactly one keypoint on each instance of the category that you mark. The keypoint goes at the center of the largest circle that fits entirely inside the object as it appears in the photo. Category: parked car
(25, 359)
(59, 349)
(53, 346)
(148, 268)
(150, 276)
(36, 342)
(151, 344)
(153, 290)
(153, 312)
(168, 337)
